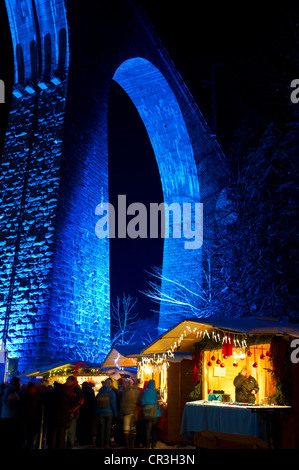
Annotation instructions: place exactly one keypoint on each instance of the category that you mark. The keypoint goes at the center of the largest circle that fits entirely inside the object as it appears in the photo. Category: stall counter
(228, 418)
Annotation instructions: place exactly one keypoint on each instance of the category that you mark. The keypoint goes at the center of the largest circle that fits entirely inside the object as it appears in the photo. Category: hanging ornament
(255, 363)
(227, 349)
(268, 354)
(209, 364)
(235, 364)
(218, 361)
(249, 354)
(213, 358)
(222, 365)
(225, 357)
(196, 360)
(262, 356)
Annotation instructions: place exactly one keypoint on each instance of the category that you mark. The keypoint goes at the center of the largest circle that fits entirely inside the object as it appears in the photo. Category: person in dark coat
(30, 415)
(87, 415)
(246, 386)
(10, 416)
(57, 412)
(77, 399)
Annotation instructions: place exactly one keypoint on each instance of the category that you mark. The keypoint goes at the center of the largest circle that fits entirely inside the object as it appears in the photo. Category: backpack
(103, 400)
(149, 411)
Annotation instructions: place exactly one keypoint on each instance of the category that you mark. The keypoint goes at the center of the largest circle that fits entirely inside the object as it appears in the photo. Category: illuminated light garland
(217, 335)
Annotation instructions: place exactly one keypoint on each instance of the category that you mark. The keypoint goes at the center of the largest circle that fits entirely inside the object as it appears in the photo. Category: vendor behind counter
(246, 386)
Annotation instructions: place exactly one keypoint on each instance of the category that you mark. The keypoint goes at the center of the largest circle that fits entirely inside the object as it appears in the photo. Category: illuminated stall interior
(157, 368)
(219, 371)
(151, 368)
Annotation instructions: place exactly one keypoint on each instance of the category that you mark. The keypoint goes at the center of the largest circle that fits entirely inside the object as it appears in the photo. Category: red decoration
(235, 364)
(249, 354)
(213, 358)
(196, 360)
(254, 365)
(227, 349)
(209, 364)
(218, 361)
(77, 367)
(222, 365)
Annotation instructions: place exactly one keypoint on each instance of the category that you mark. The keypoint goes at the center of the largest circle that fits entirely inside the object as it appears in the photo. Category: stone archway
(159, 109)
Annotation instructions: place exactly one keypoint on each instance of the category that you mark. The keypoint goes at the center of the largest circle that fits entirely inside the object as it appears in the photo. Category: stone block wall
(29, 183)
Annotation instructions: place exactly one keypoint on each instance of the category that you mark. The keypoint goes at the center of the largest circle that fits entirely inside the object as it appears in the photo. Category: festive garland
(71, 370)
(281, 371)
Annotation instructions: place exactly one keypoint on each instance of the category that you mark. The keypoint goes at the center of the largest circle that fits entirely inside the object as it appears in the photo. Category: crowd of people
(61, 416)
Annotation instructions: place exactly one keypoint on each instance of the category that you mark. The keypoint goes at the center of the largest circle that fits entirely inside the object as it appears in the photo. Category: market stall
(84, 372)
(220, 348)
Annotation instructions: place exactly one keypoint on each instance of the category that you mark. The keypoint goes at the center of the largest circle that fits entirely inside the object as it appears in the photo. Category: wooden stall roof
(56, 367)
(46, 369)
(188, 331)
(122, 356)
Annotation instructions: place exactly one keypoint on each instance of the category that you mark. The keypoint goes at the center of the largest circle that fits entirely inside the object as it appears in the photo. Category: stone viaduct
(55, 298)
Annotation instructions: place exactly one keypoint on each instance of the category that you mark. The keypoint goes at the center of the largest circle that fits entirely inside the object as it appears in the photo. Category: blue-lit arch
(163, 119)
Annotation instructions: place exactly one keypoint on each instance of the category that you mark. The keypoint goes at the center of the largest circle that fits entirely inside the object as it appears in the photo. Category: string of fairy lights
(217, 335)
(216, 338)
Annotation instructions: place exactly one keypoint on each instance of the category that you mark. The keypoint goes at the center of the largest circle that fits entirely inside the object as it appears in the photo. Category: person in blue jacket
(106, 410)
(151, 413)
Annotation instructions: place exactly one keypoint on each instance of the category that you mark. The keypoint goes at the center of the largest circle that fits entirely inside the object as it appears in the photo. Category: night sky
(255, 52)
